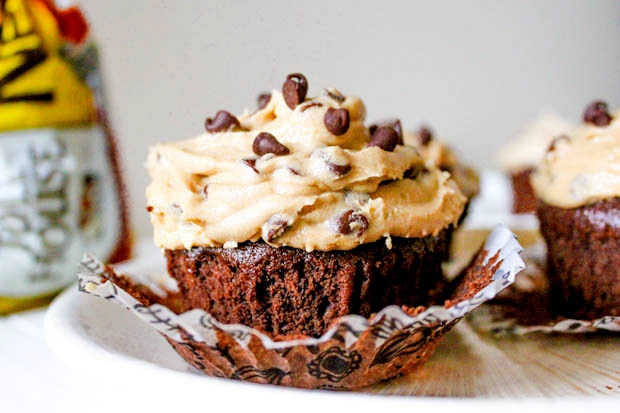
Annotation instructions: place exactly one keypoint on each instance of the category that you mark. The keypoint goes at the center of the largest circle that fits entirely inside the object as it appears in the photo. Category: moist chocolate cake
(291, 216)
(578, 184)
(520, 157)
(583, 257)
(284, 290)
(523, 197)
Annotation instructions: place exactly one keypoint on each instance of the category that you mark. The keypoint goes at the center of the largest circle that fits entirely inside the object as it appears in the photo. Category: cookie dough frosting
(442, 156)
(299, 172)
(583, 166)
(529, 147)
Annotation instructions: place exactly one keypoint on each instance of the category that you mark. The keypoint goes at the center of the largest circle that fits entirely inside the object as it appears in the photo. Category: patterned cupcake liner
(494, 320)
(512, 312)
(354, 352)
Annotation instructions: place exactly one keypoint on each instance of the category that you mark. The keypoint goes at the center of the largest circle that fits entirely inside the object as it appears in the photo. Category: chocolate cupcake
(292, 216)
(520, 157)
(443, 157)
(578, 186)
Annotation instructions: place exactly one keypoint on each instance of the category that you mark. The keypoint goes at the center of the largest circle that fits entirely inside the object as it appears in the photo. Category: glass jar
(61, 192)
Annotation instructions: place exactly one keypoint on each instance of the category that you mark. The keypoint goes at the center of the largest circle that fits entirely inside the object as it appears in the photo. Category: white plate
(468, 371)
(477, 373)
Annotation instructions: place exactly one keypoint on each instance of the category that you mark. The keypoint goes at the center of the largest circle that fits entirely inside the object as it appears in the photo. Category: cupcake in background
(577, 184)
(520, 157)
(444, 158)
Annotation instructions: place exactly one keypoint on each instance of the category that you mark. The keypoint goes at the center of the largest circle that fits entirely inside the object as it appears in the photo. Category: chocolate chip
(412, 173)
(385, 137)
(398, 127)
(205, 191)
(425, 134)
(555, 142)
(294, 171)
(394, 123)
(263, 100)
(251, 162)
(309, 105)
(330, 161)
(352, 221)
(295, 89)
(149, 209)
(223, 121)
(597, 113)
(274, 227)
(334, 94)
(265, 143)
(337, 121)
(176, 209)
(339, 170)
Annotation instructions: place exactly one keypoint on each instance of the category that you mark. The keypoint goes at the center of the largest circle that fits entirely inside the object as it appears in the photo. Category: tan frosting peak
(442, 156)
(581, 169)
(528, 148)
(329, 192)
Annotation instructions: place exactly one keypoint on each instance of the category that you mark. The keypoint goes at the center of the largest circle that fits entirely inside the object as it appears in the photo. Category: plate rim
(67, 339)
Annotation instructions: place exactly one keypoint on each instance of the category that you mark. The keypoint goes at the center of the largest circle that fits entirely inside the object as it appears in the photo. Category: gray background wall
(476, 71)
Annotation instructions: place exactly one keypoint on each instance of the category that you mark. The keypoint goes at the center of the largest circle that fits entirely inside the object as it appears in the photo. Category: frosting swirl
(529, 147)
(443, 157)
(581, 168)
(325, 192)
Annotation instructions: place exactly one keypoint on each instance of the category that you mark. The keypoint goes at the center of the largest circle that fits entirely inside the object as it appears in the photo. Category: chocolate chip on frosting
(597, 113)
(205, 191)
(222, 122)
(274, 227)
(329, 162)
(263, 100)
(385, 137)
(175, 209)
(265, 143)
(251, 162)
(394, 123)
(414, 172)
(309, 105)
(425, 134)
(352, 221)
(398, 127)
(334, 94)
(295, 89)
(337, 121)
(339, 170)
(557, 140)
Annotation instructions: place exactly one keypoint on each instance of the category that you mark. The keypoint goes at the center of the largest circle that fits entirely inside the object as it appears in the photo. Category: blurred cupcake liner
(494, 320)
(511, 312)
(354, 352)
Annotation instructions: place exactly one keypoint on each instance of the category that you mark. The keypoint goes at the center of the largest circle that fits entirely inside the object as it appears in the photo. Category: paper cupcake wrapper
(514, 315)
(354, 352)
(491, 319)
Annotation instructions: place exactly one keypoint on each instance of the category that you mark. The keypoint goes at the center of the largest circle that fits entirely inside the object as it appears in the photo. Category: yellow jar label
(40, 83)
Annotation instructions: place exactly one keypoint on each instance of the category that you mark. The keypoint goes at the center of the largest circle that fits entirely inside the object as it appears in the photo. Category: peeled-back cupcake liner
(492, 319)
(354, 352)
(514, 315)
